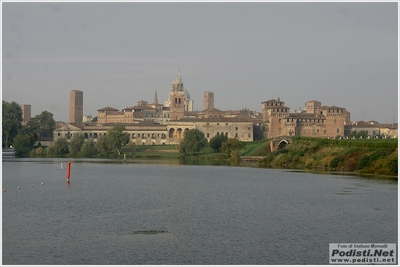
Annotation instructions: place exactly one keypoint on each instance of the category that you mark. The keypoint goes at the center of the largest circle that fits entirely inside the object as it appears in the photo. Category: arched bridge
(279, 142)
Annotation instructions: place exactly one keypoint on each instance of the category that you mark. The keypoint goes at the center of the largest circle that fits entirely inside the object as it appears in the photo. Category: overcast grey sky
(343, 54)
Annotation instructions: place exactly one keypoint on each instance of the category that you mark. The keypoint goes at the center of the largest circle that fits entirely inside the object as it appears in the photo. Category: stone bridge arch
(279, 142)
(282, 144)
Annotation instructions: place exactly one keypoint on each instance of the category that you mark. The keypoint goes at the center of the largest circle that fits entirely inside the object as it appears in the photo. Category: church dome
(187, 94)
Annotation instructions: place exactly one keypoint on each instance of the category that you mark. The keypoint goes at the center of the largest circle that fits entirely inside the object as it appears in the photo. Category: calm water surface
(204, 214)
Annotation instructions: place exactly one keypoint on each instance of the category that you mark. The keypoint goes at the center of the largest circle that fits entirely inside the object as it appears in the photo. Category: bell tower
(208, 100)
(177, 98)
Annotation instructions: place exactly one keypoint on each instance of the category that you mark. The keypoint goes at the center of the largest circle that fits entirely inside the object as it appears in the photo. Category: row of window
(236, 128)
(217, 123)
(133, 136)
(226, 134)
(143, 136)
(314, 131)
(280, 110)
(274, 104)
(337, 110)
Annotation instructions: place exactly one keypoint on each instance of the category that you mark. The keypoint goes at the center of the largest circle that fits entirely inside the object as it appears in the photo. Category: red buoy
(68, 171)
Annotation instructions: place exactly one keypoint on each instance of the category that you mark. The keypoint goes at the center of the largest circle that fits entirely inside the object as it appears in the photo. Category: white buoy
(42, 183)
(61, 166)
(19, 187)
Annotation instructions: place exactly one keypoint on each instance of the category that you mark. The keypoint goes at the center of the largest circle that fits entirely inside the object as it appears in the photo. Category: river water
(137, 213)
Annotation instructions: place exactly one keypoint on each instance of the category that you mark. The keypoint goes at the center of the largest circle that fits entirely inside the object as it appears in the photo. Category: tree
(23, 144)
(216, 142)
(101, 144)
(88, 149)
(12, 118)
(231, 145)
(41, 125)
(76, 143)
(193, 141)
(360, 134)
(116, 138)
(61, 146)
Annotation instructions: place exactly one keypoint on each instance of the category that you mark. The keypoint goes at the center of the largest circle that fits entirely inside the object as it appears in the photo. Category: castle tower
(312, 106)
(208, 100)
(76, 106)
(273, 113)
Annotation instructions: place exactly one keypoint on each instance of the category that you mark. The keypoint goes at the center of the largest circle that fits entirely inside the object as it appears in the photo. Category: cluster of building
(155, 123)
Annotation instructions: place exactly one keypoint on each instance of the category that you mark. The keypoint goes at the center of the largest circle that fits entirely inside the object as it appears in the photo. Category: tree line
(114, 140)
(194, 141)
(22, 138)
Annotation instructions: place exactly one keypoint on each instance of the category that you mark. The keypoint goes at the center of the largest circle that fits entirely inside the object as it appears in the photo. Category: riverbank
(378, 157)
(361, 156)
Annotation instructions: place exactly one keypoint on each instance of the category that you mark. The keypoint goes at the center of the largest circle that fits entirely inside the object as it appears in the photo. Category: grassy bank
(375, 156)
(371, 156)
(364, 156)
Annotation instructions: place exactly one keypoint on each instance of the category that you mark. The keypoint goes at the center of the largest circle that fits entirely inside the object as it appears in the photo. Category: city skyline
(342, 54)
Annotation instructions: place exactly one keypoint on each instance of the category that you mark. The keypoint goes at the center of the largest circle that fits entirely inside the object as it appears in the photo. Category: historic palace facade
(157, 124)
(315, 120)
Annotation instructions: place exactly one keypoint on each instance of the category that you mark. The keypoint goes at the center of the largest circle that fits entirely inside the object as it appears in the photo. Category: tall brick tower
(208, 100)
(26, 113)
(273, 113)
(76, 106)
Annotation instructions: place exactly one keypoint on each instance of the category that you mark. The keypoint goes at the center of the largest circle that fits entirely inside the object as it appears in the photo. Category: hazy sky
(343, 54)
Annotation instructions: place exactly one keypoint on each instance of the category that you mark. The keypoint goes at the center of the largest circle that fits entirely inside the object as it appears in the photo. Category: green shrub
(367, 161)
(393, 167)
(39, 152)
(336, 162)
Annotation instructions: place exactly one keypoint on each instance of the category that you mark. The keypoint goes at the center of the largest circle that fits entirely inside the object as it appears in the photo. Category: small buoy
(42, 183)
(4, 190)
(32, 185)
(19, 187)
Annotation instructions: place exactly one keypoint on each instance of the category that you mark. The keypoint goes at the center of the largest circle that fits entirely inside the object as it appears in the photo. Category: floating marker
(32, 185)
(61, 166)
(42, 183)
(68, 171)
(19, 187)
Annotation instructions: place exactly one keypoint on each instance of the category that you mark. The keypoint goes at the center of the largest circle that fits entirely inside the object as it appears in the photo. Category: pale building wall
(139, 134)
(243, 131)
